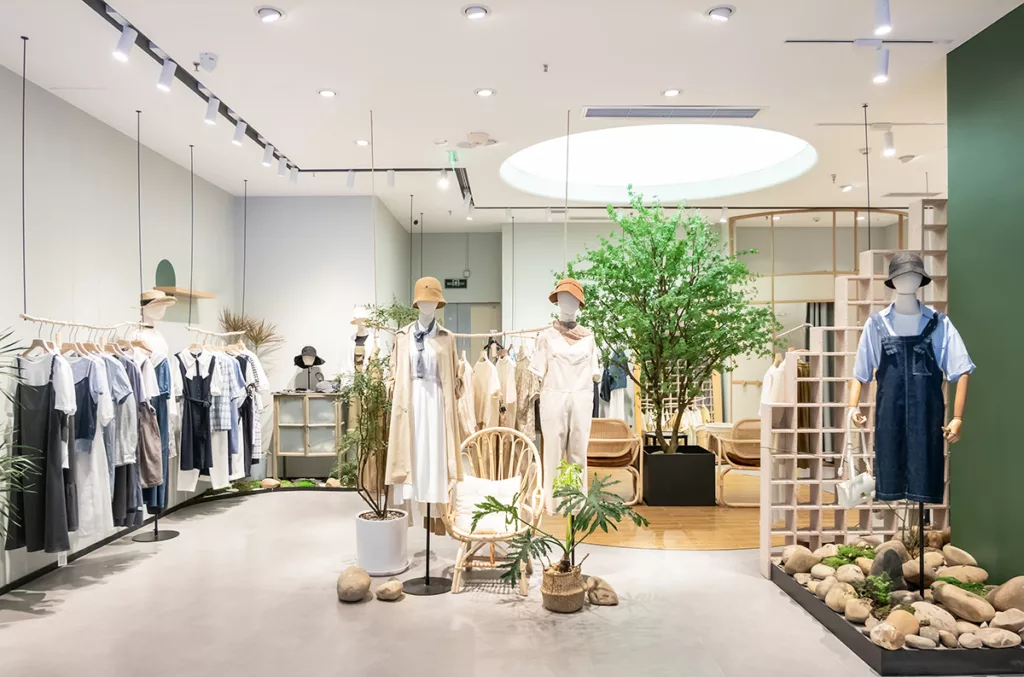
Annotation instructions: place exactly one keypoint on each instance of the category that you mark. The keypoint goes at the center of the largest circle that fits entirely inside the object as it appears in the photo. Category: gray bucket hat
(906, 262)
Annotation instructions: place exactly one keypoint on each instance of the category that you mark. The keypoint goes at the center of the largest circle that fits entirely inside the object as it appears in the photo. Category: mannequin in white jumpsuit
(566, 360)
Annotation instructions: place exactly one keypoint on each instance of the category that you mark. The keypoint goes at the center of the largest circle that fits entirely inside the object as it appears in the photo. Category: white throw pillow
(474, 490)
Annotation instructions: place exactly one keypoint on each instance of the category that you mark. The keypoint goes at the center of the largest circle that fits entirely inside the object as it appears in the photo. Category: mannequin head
(907, 283)
(427, 309)
(308, 360)
(568, 306)
(154, 312)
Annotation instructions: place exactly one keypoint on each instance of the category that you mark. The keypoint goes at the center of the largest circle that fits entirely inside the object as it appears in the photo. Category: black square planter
(685, 478)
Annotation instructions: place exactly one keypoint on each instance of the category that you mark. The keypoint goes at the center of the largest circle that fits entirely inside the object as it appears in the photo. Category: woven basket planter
(563, 593)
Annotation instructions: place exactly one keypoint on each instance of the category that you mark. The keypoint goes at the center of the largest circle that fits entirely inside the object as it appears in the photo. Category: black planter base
(685, 478)
(904, 661)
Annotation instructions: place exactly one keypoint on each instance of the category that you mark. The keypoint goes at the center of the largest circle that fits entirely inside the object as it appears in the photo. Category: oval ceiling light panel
(670, 162)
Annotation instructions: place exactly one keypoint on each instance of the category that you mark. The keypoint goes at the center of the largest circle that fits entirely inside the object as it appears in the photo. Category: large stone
(838, 595)
(802, 579)
(849, 573)
(904, 621)
(789, 550)
(270, 483)
(353, 584)
(912, 574)
(391, 591)
(897, 597)
(827, 550)
(870, 622)
(918, 642)
(887, 637)
(929, 596)
(957, 557)
(800, 561)
(936, 616)
(964, 574)
(969, 640)
(1009, 595)
(822, 571)
(963, 604)
(821, 590)
(898, 546)
(858, 610)
(934, 559)
(947, 639)
(963, 627)
(929, 632)
(865, 564)
(996, 638)
(332, 483)
(812, 586)
(933, 539)
(1011, 619)
(870, 541)
(600, 593)
(889, 562)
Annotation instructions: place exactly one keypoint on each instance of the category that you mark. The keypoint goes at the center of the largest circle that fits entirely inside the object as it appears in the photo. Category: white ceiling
(416, 64)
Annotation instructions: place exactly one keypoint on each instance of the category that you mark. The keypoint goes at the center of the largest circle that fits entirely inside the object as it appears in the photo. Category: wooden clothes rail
(66, 323)
(204, 332)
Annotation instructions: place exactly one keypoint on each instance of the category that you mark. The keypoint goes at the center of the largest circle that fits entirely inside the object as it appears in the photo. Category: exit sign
(455, 283)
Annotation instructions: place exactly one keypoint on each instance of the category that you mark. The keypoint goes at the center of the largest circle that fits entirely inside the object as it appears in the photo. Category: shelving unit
(306, 424)
(798, 500)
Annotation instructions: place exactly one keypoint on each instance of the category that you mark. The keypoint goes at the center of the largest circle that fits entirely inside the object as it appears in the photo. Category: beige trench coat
(400, 441)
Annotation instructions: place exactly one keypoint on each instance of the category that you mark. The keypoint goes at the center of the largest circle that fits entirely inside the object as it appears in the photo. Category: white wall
(447, 255)
(81, 232)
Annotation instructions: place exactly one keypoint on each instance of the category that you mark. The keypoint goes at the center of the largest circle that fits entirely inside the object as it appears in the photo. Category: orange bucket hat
(571, 286)
(427, 289)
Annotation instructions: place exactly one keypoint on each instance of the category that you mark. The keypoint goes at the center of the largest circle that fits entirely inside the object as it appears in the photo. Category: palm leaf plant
(13, 469)
(585, 513)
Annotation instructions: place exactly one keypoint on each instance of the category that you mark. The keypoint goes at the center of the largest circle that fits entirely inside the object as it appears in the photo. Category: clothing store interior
(568, 337)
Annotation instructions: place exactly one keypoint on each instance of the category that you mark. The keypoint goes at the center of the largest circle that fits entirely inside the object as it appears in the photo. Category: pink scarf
(571, 335)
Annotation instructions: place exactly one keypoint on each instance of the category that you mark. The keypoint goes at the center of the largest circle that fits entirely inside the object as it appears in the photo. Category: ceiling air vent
(671, 112)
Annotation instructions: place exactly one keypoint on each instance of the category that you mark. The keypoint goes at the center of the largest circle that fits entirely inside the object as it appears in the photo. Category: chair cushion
(473, 490)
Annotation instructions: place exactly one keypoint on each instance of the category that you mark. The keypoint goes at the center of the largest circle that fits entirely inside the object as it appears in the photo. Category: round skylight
(672, 162)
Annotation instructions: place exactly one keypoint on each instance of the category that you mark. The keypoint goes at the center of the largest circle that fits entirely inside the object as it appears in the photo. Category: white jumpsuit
(429, 452)
(566, 401)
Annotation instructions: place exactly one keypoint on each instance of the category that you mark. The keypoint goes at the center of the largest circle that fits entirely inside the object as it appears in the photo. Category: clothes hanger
(778, 360)
(89, 345)
(123, 343)
(37, 344)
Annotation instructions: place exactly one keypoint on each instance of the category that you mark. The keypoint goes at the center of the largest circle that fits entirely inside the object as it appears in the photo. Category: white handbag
(856, 489)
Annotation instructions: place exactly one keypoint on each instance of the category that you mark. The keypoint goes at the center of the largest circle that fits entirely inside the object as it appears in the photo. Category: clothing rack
(83, 325)
(204, 332)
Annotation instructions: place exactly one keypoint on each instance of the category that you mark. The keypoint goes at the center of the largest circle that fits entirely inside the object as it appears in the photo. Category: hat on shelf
(360, 315)
(572, 287)
(428, 289)
(308, 351)
(155, 297)
(906, 262)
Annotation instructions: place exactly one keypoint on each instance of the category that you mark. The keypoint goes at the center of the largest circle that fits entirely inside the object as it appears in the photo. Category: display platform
(904, 661)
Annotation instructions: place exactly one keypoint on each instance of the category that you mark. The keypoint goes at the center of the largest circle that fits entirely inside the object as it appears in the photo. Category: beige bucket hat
(427, 289)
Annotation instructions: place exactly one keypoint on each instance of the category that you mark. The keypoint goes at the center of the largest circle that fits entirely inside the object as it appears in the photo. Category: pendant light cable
(421, 244)
(565, 214)
(138, 197)
(412, 231)
(513, 270)
(867, 172)
(24, 256)
(245, 234)
(373, 206)
(192, 232)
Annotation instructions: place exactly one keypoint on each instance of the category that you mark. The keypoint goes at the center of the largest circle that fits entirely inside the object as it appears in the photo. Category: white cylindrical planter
(381, 544)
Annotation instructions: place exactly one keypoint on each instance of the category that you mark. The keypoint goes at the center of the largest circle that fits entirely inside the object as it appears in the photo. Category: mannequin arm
(853, 402)
(952, 429)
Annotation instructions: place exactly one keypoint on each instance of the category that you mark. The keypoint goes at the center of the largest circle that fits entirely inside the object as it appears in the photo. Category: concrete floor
(249, 589)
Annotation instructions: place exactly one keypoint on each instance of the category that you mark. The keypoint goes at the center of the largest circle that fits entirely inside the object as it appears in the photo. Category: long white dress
(429, 462)
(95, 512)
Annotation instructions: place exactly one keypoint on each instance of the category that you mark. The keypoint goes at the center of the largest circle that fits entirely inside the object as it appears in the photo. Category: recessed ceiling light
(721, 13)
(327, 93)
(362, 142)
(476, 12)
(268, 14)
(672, 92)
(847, 188)
(486, 92)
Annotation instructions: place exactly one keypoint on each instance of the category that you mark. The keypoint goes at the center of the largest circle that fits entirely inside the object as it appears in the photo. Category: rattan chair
(740, 449)
(495, 454)
(614, 452)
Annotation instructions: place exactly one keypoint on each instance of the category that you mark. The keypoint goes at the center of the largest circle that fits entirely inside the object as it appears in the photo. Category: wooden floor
(710, 528)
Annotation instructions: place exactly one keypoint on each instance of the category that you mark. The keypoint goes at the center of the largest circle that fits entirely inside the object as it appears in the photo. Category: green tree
(666, 295)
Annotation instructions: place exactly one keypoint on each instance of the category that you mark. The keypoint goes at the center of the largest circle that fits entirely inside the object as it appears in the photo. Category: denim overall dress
(909, 411)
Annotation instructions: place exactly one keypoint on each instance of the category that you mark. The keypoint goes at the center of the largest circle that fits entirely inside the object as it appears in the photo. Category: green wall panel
(985, 91)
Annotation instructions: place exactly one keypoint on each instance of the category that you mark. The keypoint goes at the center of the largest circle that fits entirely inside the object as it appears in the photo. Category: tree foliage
(666, 295)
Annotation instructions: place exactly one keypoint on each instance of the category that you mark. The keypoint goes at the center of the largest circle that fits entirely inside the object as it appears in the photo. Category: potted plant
(665, 295)
(563, 589)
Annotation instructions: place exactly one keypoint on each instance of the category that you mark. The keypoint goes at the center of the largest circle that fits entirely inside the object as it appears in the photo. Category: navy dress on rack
(156, 497)
(196, 452)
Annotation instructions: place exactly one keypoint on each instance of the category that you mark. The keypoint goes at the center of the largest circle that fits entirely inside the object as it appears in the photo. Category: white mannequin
(906, 319)
(308, 360)
(568, 306)
(426, 309)
(152, 314)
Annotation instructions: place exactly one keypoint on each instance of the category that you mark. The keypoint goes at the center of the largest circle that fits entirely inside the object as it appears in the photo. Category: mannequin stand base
(424, 586)
(155, 536)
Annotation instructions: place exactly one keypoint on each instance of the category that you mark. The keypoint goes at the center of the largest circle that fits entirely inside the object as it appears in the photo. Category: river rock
(936, 617)
(1011, 619)
(870, 622)
(822, 588)
(918, 642)
(897, 597)
(827, 550)
(870, 541)
(964, 573)
(849, 573)
(898, 546)
(333, 483)
(963, 627)
(865, 564)
(934, 539)
(838, 595)
(888, 637)
(934, 559)
(812, 586)
(1009, 595)
(822, 571)
(270, 483)
(353, 584)
(929, 596)
(912, 574)
(390, 591)
(903, 621)
(957, 557)
(996, 638)
(969, 640)
(966, 605)
(600, 593)
(858, 610)
(889, 562)
(787, 551)
(947, 639)
(802, 579)
(800, 561)
(929, 632)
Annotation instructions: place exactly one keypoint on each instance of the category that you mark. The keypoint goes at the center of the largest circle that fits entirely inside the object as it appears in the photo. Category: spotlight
(476, 12)
(672, 92)
(724, 218)
(442, 180)
(294, 177)
(486, 92)
(508, 213)
(883, 22)
(548, 215)
(362, 142)
(350, 178)
(124, 43)
(882, 66)
(269, 15)
(268, 155)
(469, 212)
(721, 13)
(282, 167)
(467, 201)
(166, 76)
(391, 178)
(239, 133)
(327, 93)
(888, 145)
(846, 189)
(212, 107)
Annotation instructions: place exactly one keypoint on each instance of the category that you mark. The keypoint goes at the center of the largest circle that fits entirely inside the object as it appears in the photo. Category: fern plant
(877, 589)
(585, 513)
(976, 588)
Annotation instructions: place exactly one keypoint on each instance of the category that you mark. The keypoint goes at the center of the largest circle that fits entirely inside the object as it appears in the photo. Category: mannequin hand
(951, 431)
(856, 417)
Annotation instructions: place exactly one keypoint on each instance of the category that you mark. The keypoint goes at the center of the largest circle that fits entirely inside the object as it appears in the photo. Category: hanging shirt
(486, 393)
(101, 408)
(36, 371)
(508, 397)
(467, 410)
(150, 388)
(128, 418)
(528, 391)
